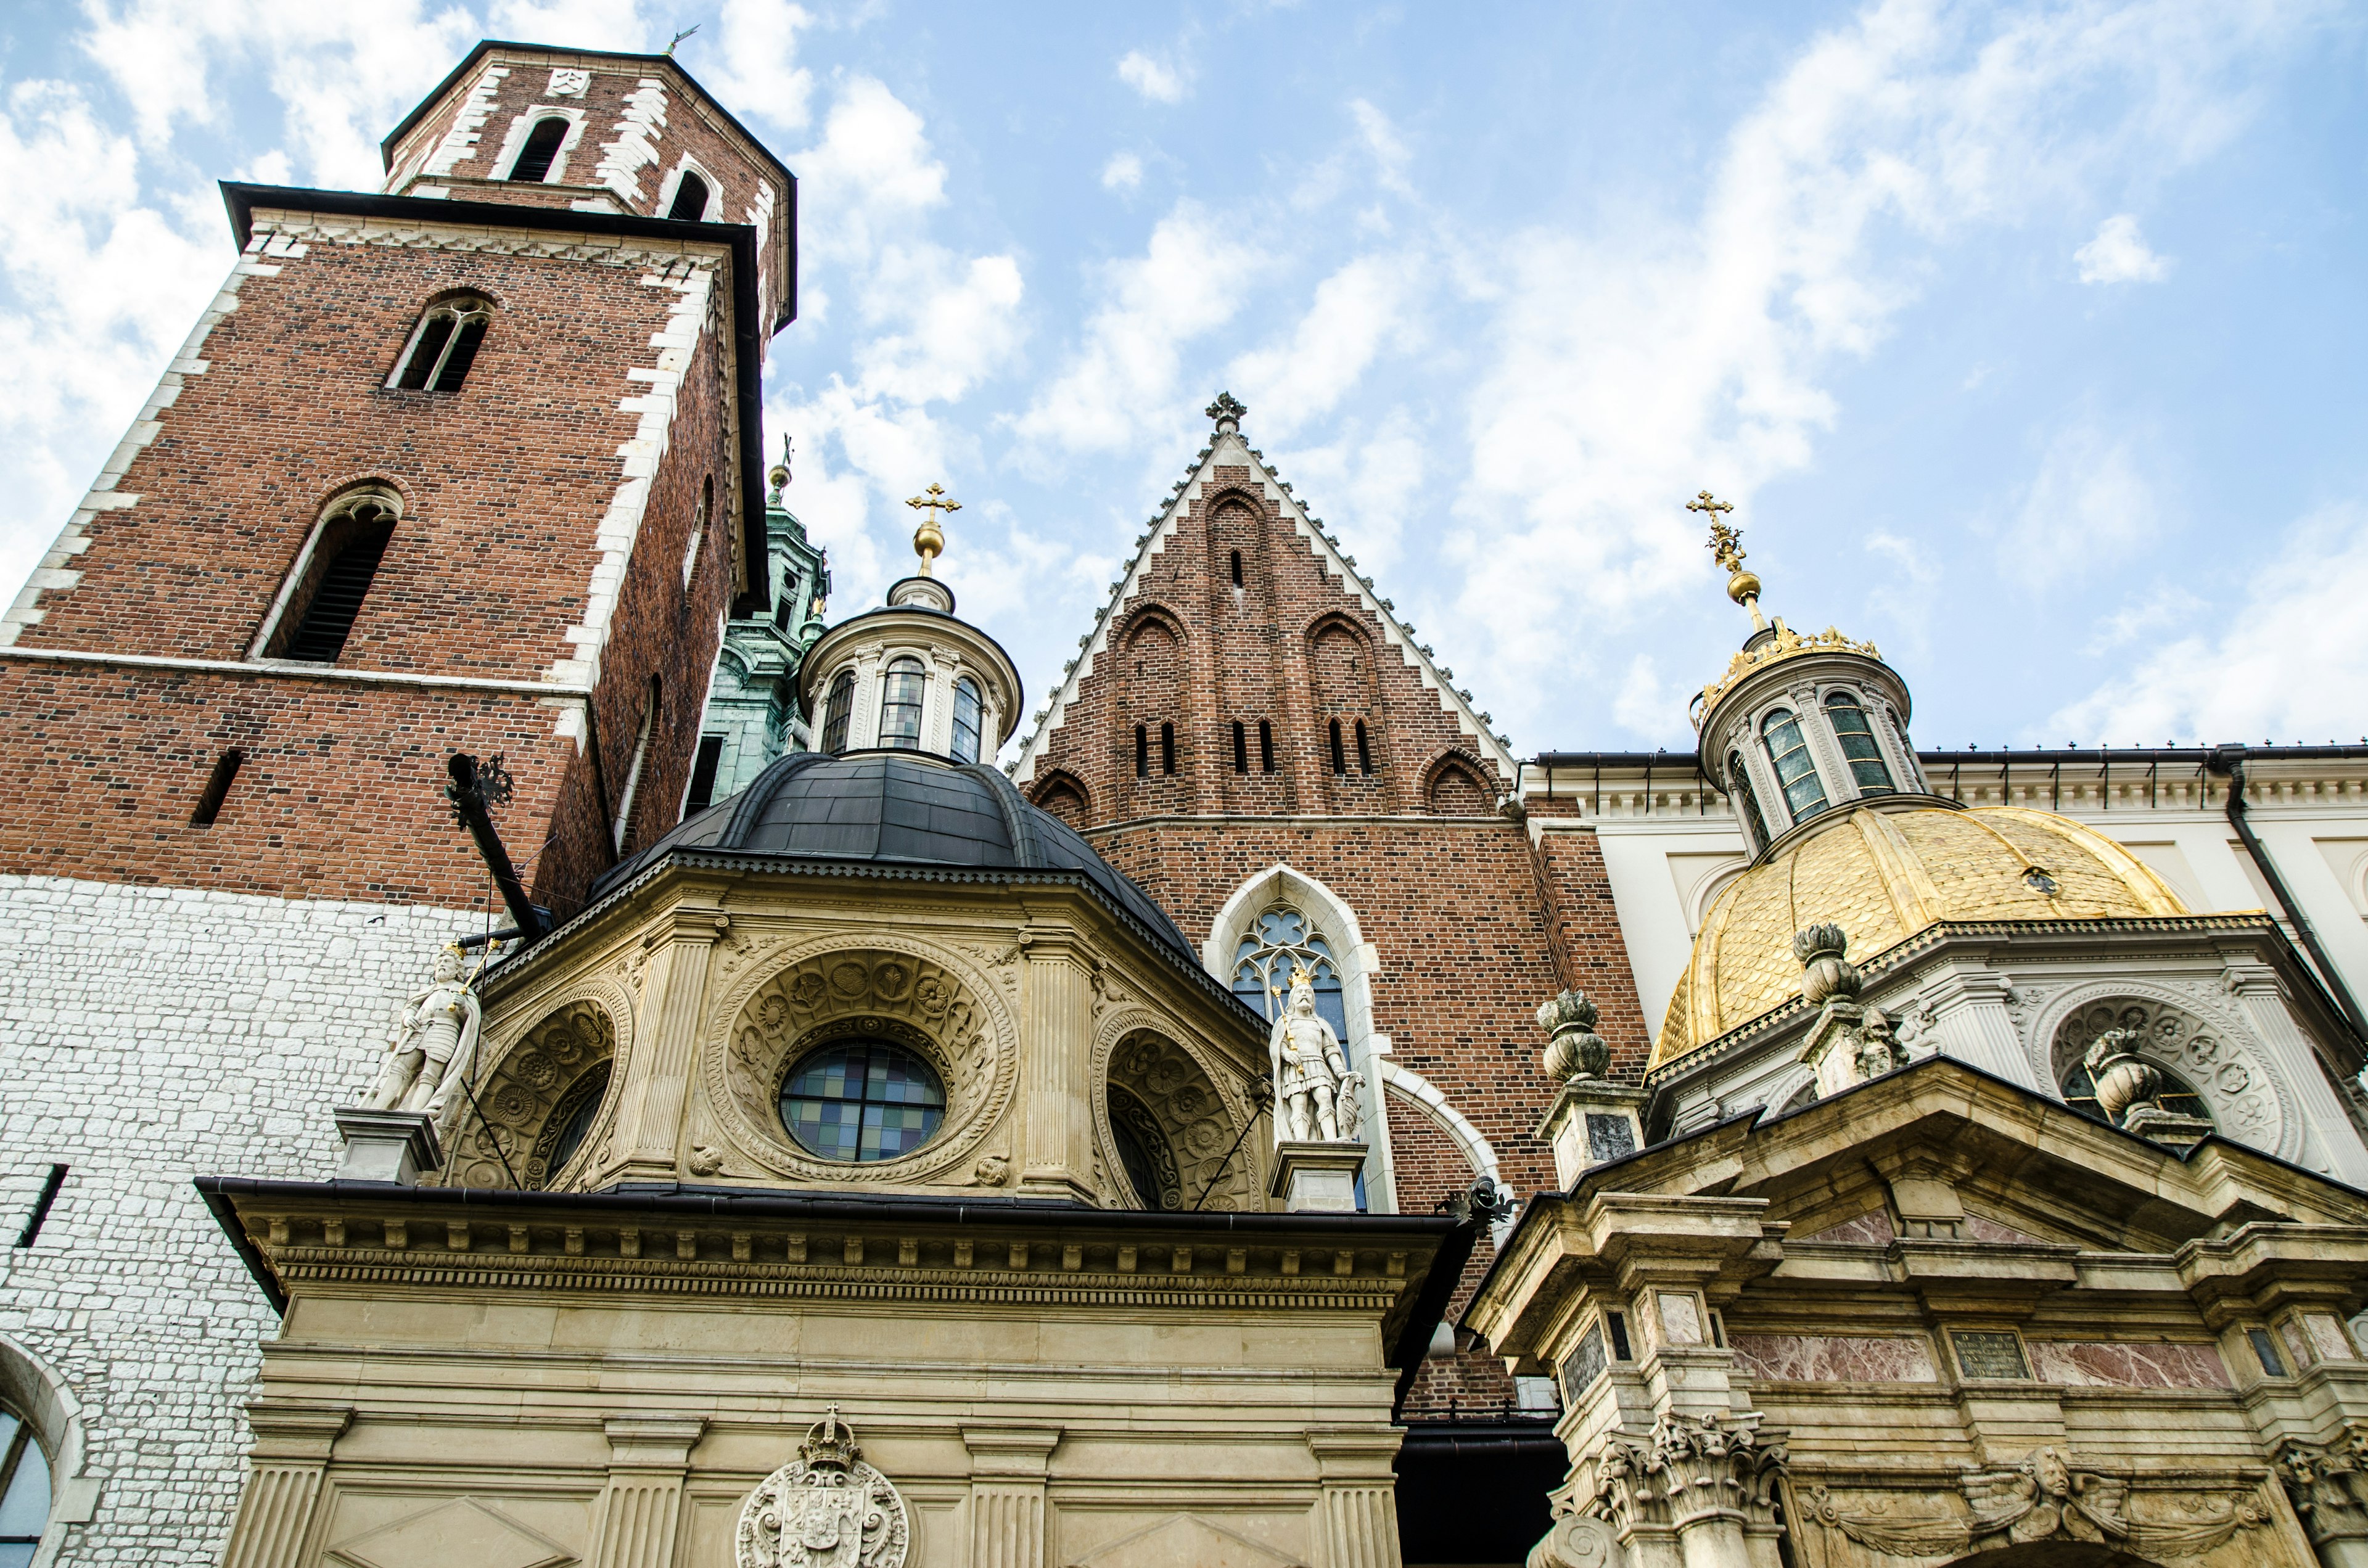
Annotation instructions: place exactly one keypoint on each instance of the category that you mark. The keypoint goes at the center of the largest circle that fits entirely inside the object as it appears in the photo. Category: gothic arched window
(690, 200)
(323, 605)
(1740, 782)
(968, 712)
(442, 345)
(1796, 771)
(534, 159)
(837, 711)
(1867, 767)
(1277, 942)
(900, 704)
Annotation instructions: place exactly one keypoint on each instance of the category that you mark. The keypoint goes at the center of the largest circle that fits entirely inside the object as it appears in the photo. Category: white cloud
(1164, 81)
(2087, 507)
(1123, 172)
(1647, 705)
(2285, 666)
(870, 179)
(1354, 311)
(1627, 374)
(2119, 254)
(755, 69)
(1363, 485)
(1119, 382)
(1380, 137)
(2168, 608)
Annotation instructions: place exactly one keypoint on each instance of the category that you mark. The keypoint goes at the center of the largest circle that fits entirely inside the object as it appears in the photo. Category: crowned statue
(434, 1040)
(1313, 1082)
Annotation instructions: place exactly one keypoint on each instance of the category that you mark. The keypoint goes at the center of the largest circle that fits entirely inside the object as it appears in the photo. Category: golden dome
(1885, 875)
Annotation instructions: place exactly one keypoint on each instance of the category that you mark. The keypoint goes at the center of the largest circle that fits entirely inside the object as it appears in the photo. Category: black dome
(894, 809)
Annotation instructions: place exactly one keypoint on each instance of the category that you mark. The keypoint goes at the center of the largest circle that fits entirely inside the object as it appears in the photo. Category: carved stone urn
(2123, 1083)
(1575, 1051)
(1824, 971)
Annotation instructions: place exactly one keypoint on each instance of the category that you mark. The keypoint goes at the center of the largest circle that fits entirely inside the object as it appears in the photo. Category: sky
(2027, 340)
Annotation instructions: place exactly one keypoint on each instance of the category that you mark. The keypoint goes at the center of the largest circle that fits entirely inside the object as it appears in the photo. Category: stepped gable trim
(1200, 484)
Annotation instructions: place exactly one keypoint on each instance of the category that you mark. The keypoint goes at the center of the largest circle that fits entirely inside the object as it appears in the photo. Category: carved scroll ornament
(826, 1509)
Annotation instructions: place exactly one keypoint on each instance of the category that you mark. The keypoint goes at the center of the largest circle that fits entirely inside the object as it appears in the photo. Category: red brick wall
(505, 485)
(692, 125)
(1432, 1168)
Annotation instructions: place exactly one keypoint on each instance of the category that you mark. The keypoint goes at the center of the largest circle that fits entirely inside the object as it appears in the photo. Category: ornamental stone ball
(1575, 1051)
(1824, 971)
(2123, 1082)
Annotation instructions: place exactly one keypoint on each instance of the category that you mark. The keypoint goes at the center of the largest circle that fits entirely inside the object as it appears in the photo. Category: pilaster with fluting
(658, 1066)
(292, 1445)
(641, 1509)
(1010, 1467)
(1056, 1061)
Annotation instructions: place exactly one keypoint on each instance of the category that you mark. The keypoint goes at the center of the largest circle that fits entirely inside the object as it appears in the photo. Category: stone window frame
(522, 125)
(36, 1392)
(334, 508)
(1359, 962)
(687, 164)
(461, 304)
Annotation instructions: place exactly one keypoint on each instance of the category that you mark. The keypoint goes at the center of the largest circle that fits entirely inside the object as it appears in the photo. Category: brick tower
(469, 464)
(1254, 735)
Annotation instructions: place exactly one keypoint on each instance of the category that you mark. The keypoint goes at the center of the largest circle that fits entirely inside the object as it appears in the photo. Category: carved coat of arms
(826, 1509)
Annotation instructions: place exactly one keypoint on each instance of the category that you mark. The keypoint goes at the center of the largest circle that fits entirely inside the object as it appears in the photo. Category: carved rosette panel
(529, 1091)
(806, 1516)
(1175, 1107)
(888, 987)
(2248, 1100)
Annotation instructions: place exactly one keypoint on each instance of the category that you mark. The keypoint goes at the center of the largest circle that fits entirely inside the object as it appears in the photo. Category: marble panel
(2327, 1335)
(1834, 1358)
(1680, 1319)
(2085, 1365)
(1873, 1228)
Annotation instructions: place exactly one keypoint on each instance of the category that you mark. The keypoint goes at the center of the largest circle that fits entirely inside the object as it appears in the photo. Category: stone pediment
(1183, 1540)
(464, 1530)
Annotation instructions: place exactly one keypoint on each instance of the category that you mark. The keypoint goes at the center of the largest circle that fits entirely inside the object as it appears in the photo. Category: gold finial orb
(929, 539)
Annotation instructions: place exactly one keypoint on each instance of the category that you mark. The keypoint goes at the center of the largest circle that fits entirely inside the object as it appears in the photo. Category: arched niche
(2240, 1095)
(540, 1105)
(1281, 884)
(1185, 1137)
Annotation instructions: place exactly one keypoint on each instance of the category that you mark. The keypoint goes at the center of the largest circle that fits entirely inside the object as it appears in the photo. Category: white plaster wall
(149, 1036)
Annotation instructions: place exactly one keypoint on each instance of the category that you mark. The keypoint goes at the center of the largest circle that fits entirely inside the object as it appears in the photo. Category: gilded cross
(1726, 541)
(929, 538)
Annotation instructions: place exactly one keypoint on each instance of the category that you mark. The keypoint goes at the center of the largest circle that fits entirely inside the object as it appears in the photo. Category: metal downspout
(2231, 761)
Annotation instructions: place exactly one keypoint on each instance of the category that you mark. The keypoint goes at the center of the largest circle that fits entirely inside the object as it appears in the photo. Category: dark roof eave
(757, 593)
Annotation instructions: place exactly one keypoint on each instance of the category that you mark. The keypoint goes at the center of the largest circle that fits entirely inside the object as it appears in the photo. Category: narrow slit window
(217, 791)
(1796, 772)
(1237, 569)
(1339, 761)
(703, 769)
(1872, 775)
(443, 345)
(690, 200)
(697, 533)
(1266, 746)
(348, 549)
(1141, 752)
(969, 719)
(1241, 747)
(1167, 748)
(534, 159)
(837, 711)
(1364, 749)
(900, 704)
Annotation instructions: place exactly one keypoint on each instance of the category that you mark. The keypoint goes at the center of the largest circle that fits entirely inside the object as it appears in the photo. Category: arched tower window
(1740, 782)
(1167, 748)
(1266, 746)
(336, 577)
(900, 703)
(1364, 749)
(1238, 568)
(443, 345)
(690, 200)
(1281, 940)
(534, 159)
(968, 712)
(1141, 751)
(1867, 767)
(1804, 794)
(837, 711)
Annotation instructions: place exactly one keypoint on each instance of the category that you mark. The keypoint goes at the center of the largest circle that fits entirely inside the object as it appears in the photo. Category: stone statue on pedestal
(433, 1041)
(1313, 1082)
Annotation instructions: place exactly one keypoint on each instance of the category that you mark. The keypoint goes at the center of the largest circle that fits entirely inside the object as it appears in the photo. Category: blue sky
(2027, 339)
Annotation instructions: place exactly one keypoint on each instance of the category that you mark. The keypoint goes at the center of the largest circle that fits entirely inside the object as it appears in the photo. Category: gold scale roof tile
(1885, 875)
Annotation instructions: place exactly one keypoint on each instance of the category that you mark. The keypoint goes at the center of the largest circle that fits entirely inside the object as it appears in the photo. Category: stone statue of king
(1313, 1082)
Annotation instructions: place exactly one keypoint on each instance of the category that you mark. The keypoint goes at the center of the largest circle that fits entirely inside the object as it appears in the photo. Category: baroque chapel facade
(1265, 1122)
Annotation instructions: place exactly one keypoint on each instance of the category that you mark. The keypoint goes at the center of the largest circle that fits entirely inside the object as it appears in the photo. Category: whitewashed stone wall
(149, 1036)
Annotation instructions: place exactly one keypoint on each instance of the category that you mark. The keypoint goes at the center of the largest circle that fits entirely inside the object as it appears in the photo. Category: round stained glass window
(861, 1100)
